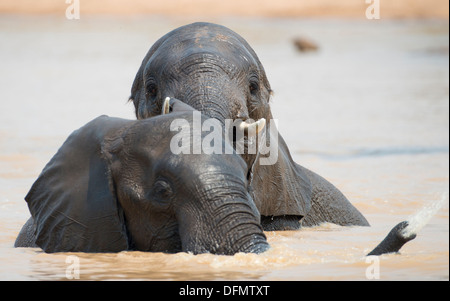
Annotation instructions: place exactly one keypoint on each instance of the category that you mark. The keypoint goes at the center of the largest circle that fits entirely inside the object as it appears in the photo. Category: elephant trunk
(244, 234)
(393, 241)
(229, 228)
(212, 93)
(257, 244)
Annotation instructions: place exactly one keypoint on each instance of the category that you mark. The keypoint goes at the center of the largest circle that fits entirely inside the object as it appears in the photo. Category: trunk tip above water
(394, 240)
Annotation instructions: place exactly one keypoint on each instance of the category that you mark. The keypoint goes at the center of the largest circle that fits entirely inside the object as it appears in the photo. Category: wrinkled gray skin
(214, 70)
(394, 241)
(115, 185)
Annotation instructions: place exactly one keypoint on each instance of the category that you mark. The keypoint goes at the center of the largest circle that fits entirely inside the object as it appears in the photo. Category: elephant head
(214, 70)
(115, 185)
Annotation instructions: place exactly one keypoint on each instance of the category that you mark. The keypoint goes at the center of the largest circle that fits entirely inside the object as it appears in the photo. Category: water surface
(369, 111)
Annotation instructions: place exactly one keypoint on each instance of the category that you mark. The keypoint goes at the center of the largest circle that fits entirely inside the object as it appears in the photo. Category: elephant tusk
(254, 128)
(166, 106)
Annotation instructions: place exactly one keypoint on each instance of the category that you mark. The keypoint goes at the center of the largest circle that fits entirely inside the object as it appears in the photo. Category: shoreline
(355, 9)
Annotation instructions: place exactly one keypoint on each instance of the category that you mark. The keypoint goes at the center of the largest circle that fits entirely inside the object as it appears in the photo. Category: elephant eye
(162, 190)
(152, 90)
(254, 87)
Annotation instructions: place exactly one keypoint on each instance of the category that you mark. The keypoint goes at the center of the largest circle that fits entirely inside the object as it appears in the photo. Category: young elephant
(115, 185)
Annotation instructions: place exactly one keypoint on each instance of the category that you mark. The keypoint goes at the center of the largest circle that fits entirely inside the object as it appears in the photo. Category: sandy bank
(267, 8)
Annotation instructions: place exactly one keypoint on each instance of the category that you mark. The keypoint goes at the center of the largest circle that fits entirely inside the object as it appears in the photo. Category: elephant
(214, 70)
(115, 185)
(394, 241)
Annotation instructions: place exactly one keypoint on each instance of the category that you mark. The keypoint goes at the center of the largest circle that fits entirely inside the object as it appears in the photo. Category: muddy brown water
(369, 111)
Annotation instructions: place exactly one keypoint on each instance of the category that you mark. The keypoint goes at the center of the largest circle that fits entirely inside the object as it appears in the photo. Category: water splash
(422, 217)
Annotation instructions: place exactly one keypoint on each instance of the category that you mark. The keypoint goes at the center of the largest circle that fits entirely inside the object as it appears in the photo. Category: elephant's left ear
(282, 188)
(73, 202)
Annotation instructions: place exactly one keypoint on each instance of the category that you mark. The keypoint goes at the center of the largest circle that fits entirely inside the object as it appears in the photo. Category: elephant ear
(282, 188)
(73, 202)
(138, 88)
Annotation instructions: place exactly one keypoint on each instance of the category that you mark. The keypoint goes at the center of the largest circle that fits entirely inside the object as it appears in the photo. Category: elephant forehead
(214, 43)
(219, 169)
(206, 33)
(191, 56)
(219, 175)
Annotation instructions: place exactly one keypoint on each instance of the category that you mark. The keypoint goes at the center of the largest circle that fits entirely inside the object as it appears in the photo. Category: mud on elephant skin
(214, 70)
(115, 185)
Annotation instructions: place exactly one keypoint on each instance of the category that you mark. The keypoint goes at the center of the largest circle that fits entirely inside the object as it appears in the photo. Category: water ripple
(377, 152)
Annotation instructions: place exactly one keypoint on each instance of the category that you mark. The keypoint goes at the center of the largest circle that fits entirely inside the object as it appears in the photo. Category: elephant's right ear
(73, 202)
